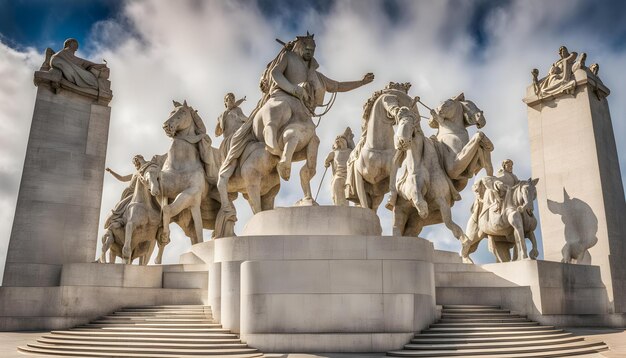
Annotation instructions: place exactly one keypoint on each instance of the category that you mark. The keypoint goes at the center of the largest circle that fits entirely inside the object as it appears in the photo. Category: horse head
(458, 107)
(180, 118)
(407, 123)
(528, 192)
(151, 178)
(472, 114)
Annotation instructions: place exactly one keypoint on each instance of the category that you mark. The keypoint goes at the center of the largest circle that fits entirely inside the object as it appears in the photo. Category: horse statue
(292, 89)
(506, 221)
(371, 167)
(141, 227)
(461, 156)
(188, 172)
(425, 193)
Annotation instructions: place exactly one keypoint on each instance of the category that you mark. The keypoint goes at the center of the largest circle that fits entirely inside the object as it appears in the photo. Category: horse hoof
(306, 202)
(284, 170)
(164, 238)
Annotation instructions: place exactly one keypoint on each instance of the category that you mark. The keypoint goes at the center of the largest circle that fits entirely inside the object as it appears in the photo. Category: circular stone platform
(320, 279)
(314, 220)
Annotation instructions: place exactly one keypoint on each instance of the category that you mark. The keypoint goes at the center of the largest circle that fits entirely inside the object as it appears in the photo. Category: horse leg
(360, 189)
(196, 215)
(222, 185)
(274, 119)
(127, 250)
(308, 170)
(400, 218)
(112, 257)
(284, 165)
(462, 159)
(534, 252)
(107, 241)
(446, 217)
(184, 200)
(267, 200)
(515, 220)
(473, 240)
(253, 187)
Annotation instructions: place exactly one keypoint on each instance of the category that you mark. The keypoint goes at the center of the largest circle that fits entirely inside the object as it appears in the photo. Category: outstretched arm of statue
(122, 178)
(335, 86)
(218, 127)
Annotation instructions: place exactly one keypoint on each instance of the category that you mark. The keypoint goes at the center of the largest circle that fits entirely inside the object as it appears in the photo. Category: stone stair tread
(485, 319)
(487, 333)
(46, 351)
(591, 346)
(153, 350)
(154, 334)
(486, 324)
(152, 324)
(542, 354)
(143, 344)
(469, 306)
(70, 338)
(469, 310)
(167, 306)
(489, 329)
(152, 329)
(490, 338)
(150, 319)
(498, 344)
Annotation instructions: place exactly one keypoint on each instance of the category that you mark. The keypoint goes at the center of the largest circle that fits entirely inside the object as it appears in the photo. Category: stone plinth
(333, 292)
(314, 220)
(58, 205)
(580, 194)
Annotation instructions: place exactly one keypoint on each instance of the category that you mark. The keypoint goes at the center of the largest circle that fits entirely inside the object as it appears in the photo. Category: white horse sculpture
(424, 191)
(462, 157)
(371, 167)
(506, 222)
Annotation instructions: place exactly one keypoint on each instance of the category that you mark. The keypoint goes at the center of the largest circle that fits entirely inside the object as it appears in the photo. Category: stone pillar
(58, 206)
(580, 194)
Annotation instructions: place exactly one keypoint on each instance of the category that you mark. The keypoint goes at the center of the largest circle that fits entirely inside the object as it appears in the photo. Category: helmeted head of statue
(229, 100)
(305, 46)
(71, 43)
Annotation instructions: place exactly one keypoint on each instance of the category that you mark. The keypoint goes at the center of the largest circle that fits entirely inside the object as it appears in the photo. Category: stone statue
(292, 90)
(229, 121)
(338, 160)
(371, 167)
(505, 215)
(134, 225)
(437, 168)
(66, 70)
(594, 68)
(462, 157)
(505, 174)
(580, 64)
(560, 78)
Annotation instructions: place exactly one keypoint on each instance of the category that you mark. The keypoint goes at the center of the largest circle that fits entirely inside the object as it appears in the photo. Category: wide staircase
(489, 331)
(148, 331)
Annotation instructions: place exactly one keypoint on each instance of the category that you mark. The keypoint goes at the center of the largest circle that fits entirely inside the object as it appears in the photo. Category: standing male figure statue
(229, 121)
(338, 159)
(292, 90)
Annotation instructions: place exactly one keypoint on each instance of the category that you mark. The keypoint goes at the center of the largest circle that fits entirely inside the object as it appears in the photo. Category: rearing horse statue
(371, 167)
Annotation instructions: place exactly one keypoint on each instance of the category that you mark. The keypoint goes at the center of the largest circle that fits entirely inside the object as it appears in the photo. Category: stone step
(160, 350)
(503, 333)
(166, 310)
(102, 324)
(160, 307)
(154, 319)
(485, 324)
(441, 256)
(469, 307)
(183, 339)
(153, 329)
(543, 351)
(104, 333)
(485, 319)
(71, 353)
(487, 329)
(158, 344)
(474, 310)
(490, 338)
(497, 344)
(162, 314)
(478, 314)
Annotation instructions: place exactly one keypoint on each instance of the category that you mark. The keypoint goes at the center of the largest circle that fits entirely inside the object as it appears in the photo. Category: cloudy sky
(199, 50)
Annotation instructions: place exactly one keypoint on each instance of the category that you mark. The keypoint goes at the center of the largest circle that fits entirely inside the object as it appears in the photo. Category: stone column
(58, 206)
(580, 194)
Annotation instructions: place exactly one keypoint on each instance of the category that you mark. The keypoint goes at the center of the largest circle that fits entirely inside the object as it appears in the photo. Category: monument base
(323, 290)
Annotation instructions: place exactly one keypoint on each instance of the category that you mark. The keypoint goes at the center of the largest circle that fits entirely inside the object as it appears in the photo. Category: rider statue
(338, 159)
(505, 174)
(229, 121)
(292, 90)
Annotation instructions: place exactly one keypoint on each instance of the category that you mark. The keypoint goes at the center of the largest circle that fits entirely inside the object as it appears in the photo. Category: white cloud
(159, 51)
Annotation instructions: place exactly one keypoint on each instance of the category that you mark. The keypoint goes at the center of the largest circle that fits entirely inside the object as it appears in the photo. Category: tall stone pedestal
(58, 205)
(339, 287)
(580, 194)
